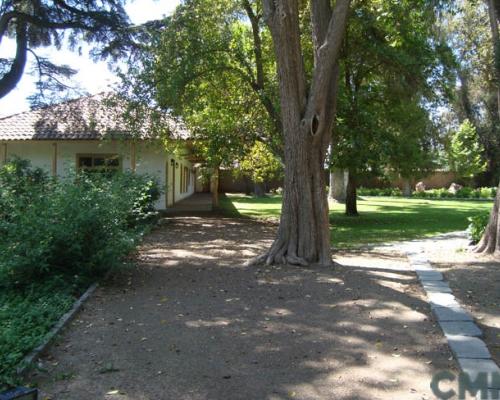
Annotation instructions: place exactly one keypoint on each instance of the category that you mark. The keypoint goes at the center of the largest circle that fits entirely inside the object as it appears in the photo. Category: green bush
(477, 225)
(57, 236)
(464, 193)
(396, 192)
(82, 225)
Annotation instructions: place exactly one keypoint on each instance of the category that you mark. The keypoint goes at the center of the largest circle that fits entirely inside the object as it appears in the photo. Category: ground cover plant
(380, 219)
(56, 237)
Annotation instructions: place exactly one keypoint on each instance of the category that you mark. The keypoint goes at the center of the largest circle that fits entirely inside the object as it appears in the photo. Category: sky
(92, 77)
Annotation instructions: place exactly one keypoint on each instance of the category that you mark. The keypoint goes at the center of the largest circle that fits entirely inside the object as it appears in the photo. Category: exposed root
(294, 260)
(278, 259)
(259, 260)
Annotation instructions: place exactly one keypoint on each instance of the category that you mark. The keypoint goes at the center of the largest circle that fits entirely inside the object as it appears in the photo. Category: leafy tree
(468, 31)
(261, 166)
(388, 59)
(307, 109)
(466, 152)
(41, 23)
(197, 49)
(214, 71)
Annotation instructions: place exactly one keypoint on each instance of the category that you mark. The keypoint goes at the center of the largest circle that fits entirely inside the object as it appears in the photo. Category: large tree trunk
(337, 190)
(351, 203)
(307, 116)
(490, 242)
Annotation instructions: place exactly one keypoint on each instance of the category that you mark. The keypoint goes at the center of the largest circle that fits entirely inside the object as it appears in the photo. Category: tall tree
(307, 110)
(468, 30)
(389, 57)
(40, 23)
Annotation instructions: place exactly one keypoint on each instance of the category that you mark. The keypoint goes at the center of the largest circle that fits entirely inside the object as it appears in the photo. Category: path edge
(28, 360)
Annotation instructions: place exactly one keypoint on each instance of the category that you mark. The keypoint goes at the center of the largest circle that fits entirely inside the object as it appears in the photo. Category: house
(89, 134)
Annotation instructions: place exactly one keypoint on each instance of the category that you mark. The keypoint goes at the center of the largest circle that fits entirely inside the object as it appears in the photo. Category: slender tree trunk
(214, 187)
(259, 189)
(406, 187)
(337, 190)
(307, 116)
(351, 203)
(490, 242)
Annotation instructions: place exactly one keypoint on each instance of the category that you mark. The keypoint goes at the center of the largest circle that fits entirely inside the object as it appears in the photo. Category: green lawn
(381, 219)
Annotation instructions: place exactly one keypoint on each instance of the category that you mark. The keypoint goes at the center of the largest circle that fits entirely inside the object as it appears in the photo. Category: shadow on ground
(190, 322)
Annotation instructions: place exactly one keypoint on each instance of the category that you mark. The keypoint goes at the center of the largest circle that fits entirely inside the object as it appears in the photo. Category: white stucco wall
(151, 159)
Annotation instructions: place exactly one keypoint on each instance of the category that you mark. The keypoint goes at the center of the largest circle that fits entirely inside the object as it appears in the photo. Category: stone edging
(458, 326)
(63, 321)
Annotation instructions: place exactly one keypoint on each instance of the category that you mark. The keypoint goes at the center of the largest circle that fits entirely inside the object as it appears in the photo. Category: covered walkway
(198, 202)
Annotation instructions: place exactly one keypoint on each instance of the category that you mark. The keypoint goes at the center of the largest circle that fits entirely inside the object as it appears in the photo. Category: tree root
(267, 259)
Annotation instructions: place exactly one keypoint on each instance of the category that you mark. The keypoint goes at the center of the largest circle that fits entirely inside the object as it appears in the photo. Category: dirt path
(190, 323)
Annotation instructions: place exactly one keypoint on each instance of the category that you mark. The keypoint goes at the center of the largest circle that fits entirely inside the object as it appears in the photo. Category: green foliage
(394, 192)
(55, 238)
(260, 164)
(203, 67)
(391, 57)
(464, 193)
(26, 315)
(468, 32)
(486, 193)
(477, 226)
(83, 225)
(466, 152)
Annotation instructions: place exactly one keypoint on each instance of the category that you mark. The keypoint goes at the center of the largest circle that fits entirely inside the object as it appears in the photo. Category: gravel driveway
(190, 322)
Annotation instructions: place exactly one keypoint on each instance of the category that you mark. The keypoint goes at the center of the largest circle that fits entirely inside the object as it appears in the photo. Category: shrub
(82, 225)
(464, 193)
(477, 225)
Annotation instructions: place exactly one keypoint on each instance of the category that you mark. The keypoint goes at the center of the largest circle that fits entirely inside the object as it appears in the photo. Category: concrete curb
(63, 321)
(458, 326)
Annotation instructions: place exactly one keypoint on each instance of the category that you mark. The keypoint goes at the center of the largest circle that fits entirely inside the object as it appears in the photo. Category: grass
(26, 315)
(380, 220)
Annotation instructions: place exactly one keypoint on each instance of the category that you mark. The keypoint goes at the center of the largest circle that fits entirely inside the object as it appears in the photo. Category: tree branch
(9, 81)
(4, 22)
(321, 13)
(257, 43)
(327, 57)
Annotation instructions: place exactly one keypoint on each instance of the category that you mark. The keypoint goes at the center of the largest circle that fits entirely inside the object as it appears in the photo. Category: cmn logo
(486, 385)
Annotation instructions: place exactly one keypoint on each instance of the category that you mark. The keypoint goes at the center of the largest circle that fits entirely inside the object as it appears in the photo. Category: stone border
(458, 326)
(63, 321)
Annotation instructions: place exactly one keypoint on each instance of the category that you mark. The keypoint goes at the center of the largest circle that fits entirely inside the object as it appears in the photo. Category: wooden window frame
(93, 168)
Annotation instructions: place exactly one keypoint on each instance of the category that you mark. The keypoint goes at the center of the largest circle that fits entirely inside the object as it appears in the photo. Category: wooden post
(4, 154)
(132, 157)
(54, 159)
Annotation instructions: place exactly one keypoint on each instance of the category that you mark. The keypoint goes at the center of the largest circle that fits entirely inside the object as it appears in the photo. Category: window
(98, 162)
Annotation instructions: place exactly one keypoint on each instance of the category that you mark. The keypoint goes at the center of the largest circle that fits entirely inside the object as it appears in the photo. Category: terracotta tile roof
(86, 118)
